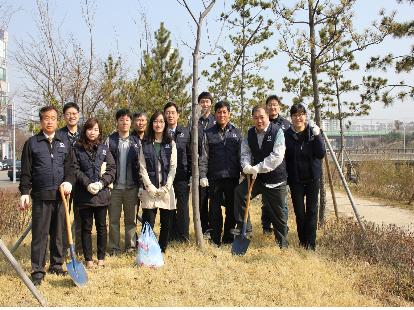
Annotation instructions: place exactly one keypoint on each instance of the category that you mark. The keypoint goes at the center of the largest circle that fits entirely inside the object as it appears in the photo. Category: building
(5, 115)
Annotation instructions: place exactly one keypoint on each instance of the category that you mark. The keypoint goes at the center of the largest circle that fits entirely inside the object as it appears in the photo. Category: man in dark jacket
(140, 124)
(262, 158)
(181, 136)
(71, 132)
(46, 165)
(125, 151)
(205, 122)
(220, 169)
(273, 105)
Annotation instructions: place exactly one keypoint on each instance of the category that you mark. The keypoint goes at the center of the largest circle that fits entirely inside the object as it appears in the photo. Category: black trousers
(306, 214)
(87, 214)
(181, 217)
(275, 200)
(222, 192)
(203, 206)
(48, 219)
(148, 215)
(266, 222)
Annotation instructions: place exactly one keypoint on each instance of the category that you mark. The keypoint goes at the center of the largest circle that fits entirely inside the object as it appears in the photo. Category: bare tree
(195, 116)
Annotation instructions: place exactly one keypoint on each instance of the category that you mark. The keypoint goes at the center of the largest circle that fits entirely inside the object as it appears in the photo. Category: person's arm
(275, 158)
(109, 176)
(81, 177)
(26, 170)
(203, 161)
(173, 166)
(245, 153)
(318, 147)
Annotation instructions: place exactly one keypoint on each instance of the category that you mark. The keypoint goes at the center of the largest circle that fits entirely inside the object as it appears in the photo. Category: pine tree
(161, 77)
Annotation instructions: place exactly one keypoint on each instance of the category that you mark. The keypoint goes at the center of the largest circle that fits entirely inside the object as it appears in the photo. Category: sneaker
(267, 231)
(207, 234)
(89, 264)
(101, 263)
(57, 271)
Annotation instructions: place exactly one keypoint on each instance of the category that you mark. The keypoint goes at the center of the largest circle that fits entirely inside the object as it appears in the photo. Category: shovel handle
(250, 184)
(65, 203)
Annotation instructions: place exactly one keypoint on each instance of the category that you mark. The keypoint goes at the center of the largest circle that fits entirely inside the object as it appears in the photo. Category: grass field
(265, 276)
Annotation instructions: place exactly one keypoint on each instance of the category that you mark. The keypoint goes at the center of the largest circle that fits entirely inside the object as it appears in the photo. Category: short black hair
(272, 97)
(205, 95)
(123, 112)
(70, 105)
(258, 107)
(139, 114)
(221, 104)
(47, 109)
(297, 108)
(170, 104)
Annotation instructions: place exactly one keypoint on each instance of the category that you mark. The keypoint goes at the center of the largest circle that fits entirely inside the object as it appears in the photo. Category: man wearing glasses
(71, 133)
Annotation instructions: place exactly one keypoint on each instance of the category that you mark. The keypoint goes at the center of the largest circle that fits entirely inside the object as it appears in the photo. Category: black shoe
(267, 230)
(57, 271)
(207, 234)
(37, 278)
(114, 253)
(237, 231)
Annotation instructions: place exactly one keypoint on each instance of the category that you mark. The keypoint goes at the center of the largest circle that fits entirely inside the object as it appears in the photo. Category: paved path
(372, 210)
(5, 181)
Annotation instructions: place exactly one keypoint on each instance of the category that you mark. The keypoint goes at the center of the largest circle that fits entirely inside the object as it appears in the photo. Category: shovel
(76, 270)
(241, 243)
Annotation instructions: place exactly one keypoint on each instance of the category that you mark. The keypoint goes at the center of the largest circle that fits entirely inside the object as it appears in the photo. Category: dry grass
(265, 276)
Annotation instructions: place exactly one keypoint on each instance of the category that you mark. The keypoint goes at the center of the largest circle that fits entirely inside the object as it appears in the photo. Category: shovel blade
(77, 272)
(240, 245)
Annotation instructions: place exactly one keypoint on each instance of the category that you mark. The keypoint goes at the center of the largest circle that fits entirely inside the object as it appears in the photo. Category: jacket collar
(40, 136)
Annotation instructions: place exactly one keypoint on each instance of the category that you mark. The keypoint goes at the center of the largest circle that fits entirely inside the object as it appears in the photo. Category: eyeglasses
(297, 115)
(71, 114)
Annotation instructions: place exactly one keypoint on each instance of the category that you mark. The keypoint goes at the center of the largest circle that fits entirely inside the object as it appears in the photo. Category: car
(1, 166)
(18, 170)
(7, 163)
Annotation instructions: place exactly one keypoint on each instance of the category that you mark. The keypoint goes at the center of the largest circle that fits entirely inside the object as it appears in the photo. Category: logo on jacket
(234, 135)
(61, 144)
(167, 146)
(181, 135)
(104, 152)
(269, 138)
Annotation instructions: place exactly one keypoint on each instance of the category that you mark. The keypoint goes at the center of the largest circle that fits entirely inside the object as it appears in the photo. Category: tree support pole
(10, 258)
(328, 171)
(20, 240)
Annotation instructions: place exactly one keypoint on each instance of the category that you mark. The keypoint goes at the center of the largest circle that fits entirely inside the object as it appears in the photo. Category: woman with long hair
(95, 170)
(304, 151)
(158, 163)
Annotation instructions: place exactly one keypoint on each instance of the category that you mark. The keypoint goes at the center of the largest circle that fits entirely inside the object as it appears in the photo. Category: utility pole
(14, 140)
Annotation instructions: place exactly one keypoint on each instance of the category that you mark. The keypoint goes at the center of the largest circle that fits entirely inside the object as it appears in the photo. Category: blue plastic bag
(149, 251)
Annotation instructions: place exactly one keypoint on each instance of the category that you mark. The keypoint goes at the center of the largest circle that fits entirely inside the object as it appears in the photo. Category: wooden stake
(328, 170)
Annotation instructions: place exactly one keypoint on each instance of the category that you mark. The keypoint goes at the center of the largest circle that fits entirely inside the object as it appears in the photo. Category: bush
(388, 250)
(12, 220)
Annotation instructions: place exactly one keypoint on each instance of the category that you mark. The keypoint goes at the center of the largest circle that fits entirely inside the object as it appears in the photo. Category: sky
(119, 27)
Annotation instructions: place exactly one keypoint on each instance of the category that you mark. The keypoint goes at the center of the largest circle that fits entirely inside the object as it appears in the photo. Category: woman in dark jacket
(95, 170)
(304, 151)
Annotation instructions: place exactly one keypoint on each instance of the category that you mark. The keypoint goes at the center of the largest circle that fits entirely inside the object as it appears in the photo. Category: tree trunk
(242, 80)
(316, 103)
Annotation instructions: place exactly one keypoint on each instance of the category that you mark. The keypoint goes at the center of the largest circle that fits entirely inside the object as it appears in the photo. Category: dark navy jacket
(222, 158)
(45, 167)
(151, 162)
(203, 125)
(71, 139)
(282, 122)
(305, 154)
(87, 167)
(182, 140)
(133, 155)
(259, 154)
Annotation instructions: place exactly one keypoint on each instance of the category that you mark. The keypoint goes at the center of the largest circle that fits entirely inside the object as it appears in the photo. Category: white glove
(103, 168)
(190, 181)
(67, 187)
(152, 190)
(316, 130)
(24, 202)
(163, 190)
(204, 182)
(93, 188)
(253, 170)
(99, 185)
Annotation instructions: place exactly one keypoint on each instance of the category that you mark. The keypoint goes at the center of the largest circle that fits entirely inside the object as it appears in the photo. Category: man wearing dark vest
(205, 122)
(181, 136)
(125, 151)
(273, 109)
(220, 169)
(140, 120)
(46, 165)
(71, 132)
(262, 157)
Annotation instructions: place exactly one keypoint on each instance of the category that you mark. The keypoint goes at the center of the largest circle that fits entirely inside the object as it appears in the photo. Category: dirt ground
(372, 210)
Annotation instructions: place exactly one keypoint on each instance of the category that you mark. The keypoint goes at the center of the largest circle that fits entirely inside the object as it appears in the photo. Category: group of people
(150, 168)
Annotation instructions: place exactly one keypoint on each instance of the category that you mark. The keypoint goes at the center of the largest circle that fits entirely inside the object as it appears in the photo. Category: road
(5, 181)
(372, 210)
